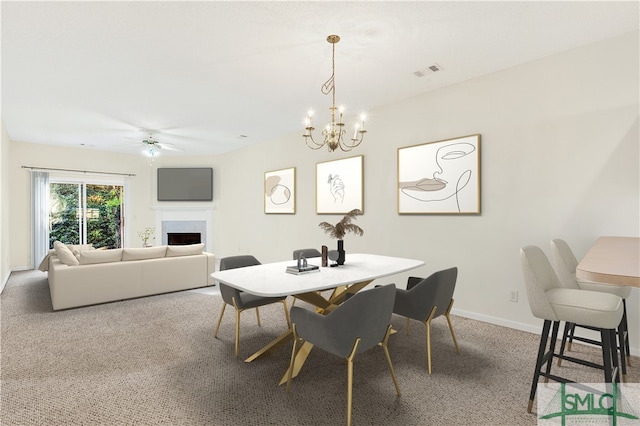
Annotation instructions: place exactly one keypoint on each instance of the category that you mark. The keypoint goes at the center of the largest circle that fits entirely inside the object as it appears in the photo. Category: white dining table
(272, 280)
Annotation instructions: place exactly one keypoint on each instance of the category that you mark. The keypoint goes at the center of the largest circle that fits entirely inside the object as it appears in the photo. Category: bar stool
(554, 304)
(565, 263)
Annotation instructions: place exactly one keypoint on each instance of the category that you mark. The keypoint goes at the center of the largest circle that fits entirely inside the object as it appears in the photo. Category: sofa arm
(211, 267)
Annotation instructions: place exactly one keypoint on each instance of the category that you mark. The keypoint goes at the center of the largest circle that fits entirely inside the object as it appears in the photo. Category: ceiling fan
(152, 147)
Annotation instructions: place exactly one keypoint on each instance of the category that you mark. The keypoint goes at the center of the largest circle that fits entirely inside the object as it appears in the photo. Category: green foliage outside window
(103, 214)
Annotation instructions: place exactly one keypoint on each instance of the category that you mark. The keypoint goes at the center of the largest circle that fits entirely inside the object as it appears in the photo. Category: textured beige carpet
(155, 361)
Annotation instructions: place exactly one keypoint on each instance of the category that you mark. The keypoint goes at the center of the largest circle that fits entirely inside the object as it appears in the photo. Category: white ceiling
(198, 75)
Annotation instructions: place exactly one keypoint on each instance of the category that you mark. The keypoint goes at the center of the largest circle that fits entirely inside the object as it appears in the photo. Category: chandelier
(334, 132)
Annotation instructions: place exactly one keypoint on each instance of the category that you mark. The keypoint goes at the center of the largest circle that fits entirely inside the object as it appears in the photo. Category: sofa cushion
(89, 257)
(77, 248)
(65, 254)
(188, 250)
(144, 253)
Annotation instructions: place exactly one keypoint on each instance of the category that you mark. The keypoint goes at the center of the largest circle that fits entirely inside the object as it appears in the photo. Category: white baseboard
(512, 324)
(22, 268)
(5, 279)
(498, 321)
(4, 282)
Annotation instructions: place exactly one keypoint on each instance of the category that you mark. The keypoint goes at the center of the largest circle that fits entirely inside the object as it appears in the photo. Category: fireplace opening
(183, 238)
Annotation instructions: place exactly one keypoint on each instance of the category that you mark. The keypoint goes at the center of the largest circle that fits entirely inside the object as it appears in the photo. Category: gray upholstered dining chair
(241, 300)
(308, 252)
(426, 299)
(549, 301)
(358, 324)
(565, 264)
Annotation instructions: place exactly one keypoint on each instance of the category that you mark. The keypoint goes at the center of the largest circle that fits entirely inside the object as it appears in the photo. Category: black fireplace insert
(183, 238)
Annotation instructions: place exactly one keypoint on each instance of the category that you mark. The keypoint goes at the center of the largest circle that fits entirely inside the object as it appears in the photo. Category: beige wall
(560, 158)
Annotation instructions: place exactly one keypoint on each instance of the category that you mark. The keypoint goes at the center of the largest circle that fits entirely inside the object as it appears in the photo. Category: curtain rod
(77, 171)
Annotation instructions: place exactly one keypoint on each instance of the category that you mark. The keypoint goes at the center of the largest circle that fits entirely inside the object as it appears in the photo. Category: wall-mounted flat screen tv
(185, 184)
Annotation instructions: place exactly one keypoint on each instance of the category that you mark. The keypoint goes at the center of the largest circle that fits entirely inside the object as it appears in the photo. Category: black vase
(340, 260)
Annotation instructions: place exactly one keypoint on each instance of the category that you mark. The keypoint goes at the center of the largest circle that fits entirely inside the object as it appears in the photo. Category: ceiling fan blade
(169, 147)
(129, 145)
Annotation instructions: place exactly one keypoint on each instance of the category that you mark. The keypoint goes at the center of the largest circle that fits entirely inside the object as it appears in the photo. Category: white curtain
(39, 216)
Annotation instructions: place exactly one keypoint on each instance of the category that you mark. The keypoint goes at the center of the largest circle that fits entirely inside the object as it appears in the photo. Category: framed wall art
(440, 177)
(280, 191)
(339, 185)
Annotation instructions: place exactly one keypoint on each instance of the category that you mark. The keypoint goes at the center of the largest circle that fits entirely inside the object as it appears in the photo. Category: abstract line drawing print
(336, 188)
(433, 178)
(339, 185)
(278, 194)
(279, 191)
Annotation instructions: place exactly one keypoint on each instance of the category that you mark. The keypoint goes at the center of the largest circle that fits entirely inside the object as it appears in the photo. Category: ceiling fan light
(151, 151)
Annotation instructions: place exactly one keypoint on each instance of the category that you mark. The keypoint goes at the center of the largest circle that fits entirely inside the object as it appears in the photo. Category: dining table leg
(272, 346)
(340, 294)
(298, 362)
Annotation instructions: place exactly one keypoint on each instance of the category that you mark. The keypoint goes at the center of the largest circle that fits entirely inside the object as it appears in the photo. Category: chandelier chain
(330, 85)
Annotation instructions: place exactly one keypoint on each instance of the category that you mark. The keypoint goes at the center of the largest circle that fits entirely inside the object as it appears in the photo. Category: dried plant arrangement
(339, 229)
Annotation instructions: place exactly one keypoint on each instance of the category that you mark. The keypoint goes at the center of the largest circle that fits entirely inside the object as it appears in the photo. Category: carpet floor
(154, 360)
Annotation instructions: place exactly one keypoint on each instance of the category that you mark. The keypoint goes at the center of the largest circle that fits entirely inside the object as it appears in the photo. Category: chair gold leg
(448, 316)
(350, 379)
(237, 340)
(427, 324)
(293, 356)
(237, 332)
(388, 357)
(349, 387)
(220, 320)
(258, 316)
(455, 342)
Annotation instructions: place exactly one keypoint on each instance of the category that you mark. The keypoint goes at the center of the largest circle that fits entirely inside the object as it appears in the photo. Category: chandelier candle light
(334, 132)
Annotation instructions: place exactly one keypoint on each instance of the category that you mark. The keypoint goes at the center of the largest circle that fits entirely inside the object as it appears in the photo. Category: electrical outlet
(513, 296)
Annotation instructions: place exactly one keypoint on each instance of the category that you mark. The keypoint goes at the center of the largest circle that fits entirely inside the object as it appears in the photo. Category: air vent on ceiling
(428, 70)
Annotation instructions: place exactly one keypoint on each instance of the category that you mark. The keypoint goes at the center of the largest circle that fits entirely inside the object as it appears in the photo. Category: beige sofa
(87, 277)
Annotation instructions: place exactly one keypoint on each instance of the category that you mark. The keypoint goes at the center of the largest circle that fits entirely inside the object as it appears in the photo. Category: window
(86, 213)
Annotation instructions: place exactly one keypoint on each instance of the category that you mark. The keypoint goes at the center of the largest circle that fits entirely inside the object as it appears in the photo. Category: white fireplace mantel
(186, 213)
